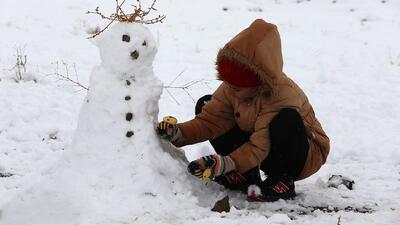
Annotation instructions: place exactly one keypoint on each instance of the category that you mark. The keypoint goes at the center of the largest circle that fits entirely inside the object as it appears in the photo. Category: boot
(272, 190)
(240, 182)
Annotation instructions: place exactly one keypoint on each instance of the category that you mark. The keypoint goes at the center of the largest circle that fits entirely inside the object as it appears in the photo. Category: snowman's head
(126, 46)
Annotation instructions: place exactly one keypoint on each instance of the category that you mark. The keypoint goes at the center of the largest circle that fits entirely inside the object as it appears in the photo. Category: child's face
(241, 92)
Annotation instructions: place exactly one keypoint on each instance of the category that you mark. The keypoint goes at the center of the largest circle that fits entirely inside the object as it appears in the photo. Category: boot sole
(290, 195)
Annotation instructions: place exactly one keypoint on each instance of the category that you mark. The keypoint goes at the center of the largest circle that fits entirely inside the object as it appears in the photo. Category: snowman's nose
(135, 55)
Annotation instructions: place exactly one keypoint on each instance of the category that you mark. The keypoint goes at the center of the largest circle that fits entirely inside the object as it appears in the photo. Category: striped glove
(167, 128)
(207, 167)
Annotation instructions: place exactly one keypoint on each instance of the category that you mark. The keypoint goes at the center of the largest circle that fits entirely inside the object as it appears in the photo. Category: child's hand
(207, 167)
(167, 128)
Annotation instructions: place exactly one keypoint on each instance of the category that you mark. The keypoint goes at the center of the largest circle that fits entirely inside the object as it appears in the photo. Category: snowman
(122, 103)
(116, 168)
(122, 88)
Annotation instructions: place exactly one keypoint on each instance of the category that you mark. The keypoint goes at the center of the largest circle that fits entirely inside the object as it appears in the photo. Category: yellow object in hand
(207, 175)
(170, 120)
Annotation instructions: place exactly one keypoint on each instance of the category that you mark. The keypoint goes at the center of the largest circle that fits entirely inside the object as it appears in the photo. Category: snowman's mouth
(135, 55)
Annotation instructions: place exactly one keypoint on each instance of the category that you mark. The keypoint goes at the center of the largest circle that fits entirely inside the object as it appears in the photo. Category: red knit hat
(237, 75)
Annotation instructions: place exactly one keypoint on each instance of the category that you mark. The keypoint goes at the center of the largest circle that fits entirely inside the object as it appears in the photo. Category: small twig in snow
(338, 221)
(20, 65)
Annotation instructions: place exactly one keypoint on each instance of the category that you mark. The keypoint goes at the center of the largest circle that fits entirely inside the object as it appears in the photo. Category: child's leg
(289, 145)
(289, 149)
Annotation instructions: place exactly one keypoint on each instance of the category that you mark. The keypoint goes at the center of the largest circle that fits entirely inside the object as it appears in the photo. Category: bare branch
(149, 9)
(159, 19)
(102, 30)
(76, 73)
(97, 12)
(137, 16)
(185, 86)
(68, 79)
(187, 92)
(172, 96)
(177, 76)
(119, 9)
(65, 77)
(20, 65)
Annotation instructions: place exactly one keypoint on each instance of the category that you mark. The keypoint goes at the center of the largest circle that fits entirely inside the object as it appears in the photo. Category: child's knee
(287, 121)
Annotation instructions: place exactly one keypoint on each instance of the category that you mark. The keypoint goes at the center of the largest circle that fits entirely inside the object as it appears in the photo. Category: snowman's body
(116, 161)
(122, 89)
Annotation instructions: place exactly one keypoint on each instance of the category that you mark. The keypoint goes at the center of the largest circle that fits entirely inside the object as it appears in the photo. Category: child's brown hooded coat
(258, 48)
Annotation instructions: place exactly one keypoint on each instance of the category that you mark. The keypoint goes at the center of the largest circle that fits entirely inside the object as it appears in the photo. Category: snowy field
(345, 54)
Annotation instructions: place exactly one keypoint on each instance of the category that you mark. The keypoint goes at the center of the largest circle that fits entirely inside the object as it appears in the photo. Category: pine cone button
(129, 134)
(129, 116)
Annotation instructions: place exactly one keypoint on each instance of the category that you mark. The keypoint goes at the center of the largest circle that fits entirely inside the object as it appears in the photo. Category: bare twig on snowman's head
(102, 30)
(137, 16)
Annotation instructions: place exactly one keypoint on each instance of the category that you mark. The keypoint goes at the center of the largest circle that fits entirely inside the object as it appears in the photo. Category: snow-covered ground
(345, 55)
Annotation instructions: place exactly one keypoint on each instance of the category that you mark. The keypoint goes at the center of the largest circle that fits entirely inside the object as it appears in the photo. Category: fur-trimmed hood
(258, 48)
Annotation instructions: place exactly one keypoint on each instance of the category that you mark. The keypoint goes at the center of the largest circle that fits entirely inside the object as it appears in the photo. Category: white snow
(344, 54)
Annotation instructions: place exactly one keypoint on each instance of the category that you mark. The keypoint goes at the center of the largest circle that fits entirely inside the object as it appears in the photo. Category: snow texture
(344, 54)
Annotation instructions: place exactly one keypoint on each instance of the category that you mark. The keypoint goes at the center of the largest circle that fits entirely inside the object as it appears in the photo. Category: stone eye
(144, 43)
(126, 38)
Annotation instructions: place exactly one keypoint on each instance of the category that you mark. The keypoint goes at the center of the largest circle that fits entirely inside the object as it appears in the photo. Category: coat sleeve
(215, 119)
(253, 152)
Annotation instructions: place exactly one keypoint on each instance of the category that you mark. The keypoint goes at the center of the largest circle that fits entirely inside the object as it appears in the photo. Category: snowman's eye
(126, 38)
(144, 43)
